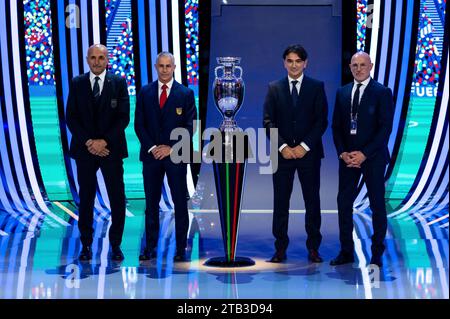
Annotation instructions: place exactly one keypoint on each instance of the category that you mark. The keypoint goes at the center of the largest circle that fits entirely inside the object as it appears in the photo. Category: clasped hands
(293, 152)
(161, 151)
(353, 159)
(97, 147)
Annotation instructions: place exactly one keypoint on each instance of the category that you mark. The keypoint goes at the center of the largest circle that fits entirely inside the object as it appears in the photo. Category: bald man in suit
(98, 111)
(362, 123)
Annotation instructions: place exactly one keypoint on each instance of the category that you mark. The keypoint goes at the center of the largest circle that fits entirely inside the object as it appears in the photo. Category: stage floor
(41, 263)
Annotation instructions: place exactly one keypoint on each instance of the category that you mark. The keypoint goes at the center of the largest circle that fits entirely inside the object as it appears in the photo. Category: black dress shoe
(85, 254)
(117, 254)
(376, 260)
(147, 255)
(314, 256)
(278, 257)
(342, 259)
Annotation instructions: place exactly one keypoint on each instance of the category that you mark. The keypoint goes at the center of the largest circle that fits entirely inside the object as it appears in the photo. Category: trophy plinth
(229, 171)
(224, 262)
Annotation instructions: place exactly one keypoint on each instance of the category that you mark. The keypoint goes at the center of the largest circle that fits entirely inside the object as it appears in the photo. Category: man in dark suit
(162, 106)
(297, 106)
(362, 123)
(98, 111)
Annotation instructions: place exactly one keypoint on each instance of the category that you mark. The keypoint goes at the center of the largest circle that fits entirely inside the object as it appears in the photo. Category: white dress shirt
(169, 86)
(101, 82)
(297, 87)
(361, 89)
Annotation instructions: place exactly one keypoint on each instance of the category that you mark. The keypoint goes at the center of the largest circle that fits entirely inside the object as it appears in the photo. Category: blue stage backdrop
(408, 44)
(260, 39)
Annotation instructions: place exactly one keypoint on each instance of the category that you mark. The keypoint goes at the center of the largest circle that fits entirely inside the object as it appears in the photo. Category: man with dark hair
(297, 106)
(98, 111)
(362, 123)
(161, 107)
(298, 50)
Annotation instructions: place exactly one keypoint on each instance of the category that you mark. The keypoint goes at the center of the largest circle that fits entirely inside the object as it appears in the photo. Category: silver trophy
(229, 167)
(228, 91)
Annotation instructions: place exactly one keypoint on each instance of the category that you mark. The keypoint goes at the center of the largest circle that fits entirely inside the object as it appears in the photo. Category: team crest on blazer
(179, 110)
(113, 103)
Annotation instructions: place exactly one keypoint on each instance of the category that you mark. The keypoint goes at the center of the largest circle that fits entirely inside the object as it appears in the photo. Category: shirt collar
(101, 76)
(300, 79)
(364, 83)
(169, 84)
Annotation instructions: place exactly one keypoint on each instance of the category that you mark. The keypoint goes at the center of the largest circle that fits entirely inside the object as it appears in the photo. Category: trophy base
(229, 125)
(224, 262)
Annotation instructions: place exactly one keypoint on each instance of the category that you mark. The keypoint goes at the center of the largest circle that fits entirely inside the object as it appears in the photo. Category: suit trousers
(373, 175)
(112, 171)
(153, 173)
(283, 180)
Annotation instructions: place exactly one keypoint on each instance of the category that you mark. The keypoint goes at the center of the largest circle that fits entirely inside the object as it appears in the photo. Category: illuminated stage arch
(39, 58)
(408, 46)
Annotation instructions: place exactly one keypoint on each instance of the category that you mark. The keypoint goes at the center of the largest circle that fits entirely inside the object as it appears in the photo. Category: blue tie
(294, 93)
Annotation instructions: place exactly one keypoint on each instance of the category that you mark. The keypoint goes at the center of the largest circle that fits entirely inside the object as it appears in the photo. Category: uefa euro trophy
(229, 169)
(228, 91)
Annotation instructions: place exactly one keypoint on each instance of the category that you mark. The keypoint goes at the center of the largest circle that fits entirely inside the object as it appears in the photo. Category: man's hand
(356, 159)
(288, 153)
(161, 151)
(299, 151)
(345, 156)
(97, 147)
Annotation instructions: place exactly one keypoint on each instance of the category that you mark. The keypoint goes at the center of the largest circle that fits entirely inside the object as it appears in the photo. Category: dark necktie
(163, 97)
(96, 89)
(355, 103)
(294, 93)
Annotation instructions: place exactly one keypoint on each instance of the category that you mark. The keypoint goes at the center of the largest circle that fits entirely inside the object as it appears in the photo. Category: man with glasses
(362, 123)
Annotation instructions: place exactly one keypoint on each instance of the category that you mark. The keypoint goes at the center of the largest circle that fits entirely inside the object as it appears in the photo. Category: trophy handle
(217, 69)
(240, 69)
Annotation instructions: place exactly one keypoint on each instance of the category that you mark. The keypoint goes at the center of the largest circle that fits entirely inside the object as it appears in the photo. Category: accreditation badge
(353, 126)
(179, 110)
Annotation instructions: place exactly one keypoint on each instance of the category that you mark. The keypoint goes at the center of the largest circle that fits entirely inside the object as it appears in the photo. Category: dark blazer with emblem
(154, 125)
(375, 116)
(108, 122)
(305, 122)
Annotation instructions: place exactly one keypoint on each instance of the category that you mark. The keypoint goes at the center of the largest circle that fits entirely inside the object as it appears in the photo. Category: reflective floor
(41, 264)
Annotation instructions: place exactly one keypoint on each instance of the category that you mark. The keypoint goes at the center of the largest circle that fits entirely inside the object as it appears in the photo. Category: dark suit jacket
(306, 122)
(113, 116)
(375, 115)
(153, 125)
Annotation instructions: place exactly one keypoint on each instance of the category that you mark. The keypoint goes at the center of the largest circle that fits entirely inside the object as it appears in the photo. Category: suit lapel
(173, 92)
(366, 94)
(170, 99)
(286, 89)
(304, 89)
(90, 96)
(154, 95)
(348, 97)
(286, 94)
(106, 91)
